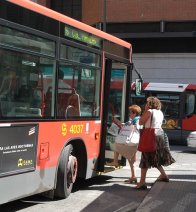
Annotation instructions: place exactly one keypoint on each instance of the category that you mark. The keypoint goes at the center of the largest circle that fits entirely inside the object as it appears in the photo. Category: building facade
(162, 32)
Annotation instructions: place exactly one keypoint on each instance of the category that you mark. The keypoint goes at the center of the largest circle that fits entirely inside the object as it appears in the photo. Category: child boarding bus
(178, 106)
(55, 77)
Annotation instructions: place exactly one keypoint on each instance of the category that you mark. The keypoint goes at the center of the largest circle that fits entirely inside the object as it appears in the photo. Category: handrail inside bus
(65, 19)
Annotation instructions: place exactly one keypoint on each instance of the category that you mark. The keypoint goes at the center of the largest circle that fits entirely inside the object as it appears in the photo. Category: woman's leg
(115, 160)
(163, 174)
(132, 178)
(143, 177)
(116, 154)
(131, 164)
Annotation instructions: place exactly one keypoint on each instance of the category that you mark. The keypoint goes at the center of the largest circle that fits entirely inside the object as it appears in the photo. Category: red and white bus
(54, 131)
(178, 106)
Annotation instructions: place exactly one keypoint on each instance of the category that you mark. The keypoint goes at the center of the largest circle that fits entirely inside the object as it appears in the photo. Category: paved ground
(179, 195)
(109, 193)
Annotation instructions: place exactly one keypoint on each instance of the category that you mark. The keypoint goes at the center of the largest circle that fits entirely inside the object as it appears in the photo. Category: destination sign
(81, 36)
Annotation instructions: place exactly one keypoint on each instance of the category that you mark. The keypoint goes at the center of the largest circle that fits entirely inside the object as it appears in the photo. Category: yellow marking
(76, 128)
(64, 129)
(22, 162)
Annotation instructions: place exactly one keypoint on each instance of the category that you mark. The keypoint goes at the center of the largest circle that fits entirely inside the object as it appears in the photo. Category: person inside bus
(64, 92)
(63, 87)
(161, 157)
(134, 116)
(73, 108)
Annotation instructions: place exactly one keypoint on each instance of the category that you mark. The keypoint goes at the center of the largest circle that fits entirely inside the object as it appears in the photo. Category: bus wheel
(67, 172)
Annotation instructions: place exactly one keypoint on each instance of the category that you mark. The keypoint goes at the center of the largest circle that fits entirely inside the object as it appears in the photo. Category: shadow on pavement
(116, 198)
(184, 149)
(172, 197)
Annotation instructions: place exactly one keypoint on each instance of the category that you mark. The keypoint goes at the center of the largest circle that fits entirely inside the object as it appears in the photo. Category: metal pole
(104, 15)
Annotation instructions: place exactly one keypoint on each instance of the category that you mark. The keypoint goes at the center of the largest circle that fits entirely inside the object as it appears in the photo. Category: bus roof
(72, 22)
(191, 87)
(170, 87)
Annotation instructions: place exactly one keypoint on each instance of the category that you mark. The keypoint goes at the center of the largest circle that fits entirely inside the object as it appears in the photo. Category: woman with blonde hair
(153, 117)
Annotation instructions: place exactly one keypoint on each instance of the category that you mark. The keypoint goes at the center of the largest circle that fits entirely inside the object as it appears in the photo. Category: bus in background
(178, 106)
(55, 79)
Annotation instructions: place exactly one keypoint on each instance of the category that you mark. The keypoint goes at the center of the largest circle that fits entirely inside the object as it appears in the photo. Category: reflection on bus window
(116, 93)
(190, 104)
(22, 85)
(22, 40)
(80, 56)
(81, 99)
(170, 104)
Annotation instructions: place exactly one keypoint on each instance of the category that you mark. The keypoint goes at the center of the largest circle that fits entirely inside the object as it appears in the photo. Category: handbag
(128, 135)
(147, 142)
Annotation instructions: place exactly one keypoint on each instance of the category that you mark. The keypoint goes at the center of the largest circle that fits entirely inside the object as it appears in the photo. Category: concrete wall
(166, 67)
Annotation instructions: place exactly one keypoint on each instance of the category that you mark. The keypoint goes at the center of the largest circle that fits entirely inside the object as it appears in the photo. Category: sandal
(141, 187)
(162, 179)
(131, 180)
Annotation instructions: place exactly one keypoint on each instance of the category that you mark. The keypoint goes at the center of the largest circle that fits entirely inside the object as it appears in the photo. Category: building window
(71, 8)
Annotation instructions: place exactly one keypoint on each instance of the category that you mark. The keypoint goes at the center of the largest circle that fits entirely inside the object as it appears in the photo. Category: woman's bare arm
(145, 116)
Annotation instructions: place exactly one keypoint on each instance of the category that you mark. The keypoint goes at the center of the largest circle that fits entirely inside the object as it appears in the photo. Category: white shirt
(157, 119)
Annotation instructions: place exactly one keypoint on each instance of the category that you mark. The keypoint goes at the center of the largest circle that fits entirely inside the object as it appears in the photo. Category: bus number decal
(76, 128)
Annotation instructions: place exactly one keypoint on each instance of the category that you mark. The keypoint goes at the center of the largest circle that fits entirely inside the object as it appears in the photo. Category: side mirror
(138, 87)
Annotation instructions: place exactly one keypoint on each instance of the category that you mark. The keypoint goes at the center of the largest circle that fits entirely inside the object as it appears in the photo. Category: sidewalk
(109, 193)
(179, 195)
(175, 196)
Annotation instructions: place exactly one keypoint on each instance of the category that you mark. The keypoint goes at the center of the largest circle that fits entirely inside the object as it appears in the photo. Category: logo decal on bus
(64, 129)
(32, 131)
(22, 162)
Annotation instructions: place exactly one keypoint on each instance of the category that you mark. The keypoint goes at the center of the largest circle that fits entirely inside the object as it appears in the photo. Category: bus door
(189, 114)
(117, 104)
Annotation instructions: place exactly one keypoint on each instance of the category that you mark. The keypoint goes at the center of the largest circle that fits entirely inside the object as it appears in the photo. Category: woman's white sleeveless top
(157, 119)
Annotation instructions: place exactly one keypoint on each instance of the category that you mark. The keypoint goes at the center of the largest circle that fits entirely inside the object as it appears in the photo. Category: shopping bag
(134, 137)
(147, 142)
(128, 135)
(125, 150)
(113, 129)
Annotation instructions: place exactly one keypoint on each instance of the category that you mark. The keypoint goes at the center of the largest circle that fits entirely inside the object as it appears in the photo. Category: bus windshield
(190, 103)
(170, 104)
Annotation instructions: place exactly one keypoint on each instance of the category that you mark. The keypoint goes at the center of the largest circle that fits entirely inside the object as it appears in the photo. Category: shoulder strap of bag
(151, 119)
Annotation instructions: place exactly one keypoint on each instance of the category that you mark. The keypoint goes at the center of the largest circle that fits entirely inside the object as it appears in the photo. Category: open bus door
(115, 106)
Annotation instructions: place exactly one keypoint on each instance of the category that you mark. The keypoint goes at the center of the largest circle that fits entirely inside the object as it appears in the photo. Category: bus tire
(67, 172)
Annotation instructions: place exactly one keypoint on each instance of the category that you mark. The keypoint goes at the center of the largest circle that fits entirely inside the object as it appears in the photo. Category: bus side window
(73, 108)
(62, 103)
(190, 104)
